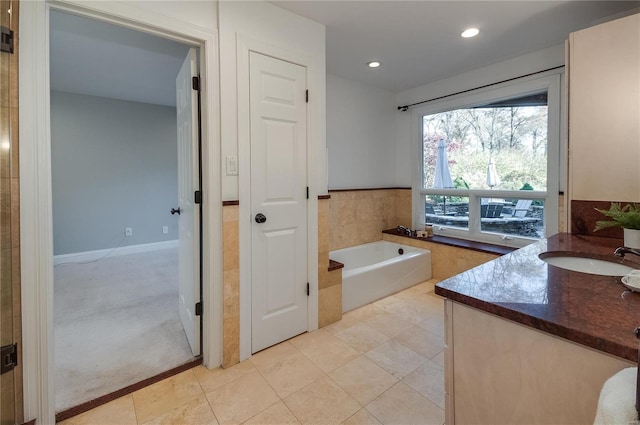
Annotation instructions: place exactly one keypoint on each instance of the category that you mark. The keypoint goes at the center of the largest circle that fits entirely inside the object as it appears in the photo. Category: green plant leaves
(627, 217)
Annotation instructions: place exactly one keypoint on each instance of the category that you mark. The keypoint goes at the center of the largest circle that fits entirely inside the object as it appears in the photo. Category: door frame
(35, 184)
(244, 45)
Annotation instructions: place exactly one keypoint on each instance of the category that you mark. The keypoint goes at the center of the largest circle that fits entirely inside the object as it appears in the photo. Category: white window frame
(551, 82)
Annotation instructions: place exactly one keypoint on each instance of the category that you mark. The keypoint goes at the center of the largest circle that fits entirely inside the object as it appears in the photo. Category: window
(489, 164)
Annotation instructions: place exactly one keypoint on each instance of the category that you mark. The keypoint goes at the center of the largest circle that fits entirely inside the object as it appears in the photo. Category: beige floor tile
(365, 312)
(434, 325)
(278, 414)
(242, 399)
(415, 312)
(290, 373)
(428, 380)
(363, 379)
(345, 323)
(388, 302)
(396, 359)
(421, 341)
(361, 337)
(324, 349)
(120, 411)
(272, 355)
(439, 359)
(403, 405)
(362, 417)
(163, 396)
(322, 402)
(194, 412)
(414, 294)
(388, 324)
(211, 379)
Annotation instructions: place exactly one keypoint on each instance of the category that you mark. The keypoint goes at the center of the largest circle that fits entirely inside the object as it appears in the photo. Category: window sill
(459, 243)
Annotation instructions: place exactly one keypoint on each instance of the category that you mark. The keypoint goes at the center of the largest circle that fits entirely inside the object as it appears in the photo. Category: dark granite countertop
(596, 311)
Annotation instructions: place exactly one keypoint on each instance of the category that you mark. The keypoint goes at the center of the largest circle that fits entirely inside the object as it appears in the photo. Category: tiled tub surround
(357, 217)
(537, 367)
(446, 260)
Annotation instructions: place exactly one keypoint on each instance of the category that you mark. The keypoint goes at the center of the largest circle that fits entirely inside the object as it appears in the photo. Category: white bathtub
(375, 270)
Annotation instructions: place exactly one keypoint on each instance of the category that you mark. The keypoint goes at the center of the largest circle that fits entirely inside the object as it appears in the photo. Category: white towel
(617, 404)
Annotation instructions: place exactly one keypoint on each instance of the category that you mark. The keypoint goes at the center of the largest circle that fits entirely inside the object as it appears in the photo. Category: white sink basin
(585, 264)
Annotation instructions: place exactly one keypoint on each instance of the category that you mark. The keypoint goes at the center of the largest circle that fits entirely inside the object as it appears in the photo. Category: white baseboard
(83, 257)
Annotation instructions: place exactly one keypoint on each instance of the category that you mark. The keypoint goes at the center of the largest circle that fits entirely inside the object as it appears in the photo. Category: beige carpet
(116, 323)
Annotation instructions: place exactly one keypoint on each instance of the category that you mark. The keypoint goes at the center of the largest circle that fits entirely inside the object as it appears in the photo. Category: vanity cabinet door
(604, 111)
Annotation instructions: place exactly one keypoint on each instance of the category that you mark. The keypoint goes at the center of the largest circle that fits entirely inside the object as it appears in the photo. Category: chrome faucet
(402, 229)
(621, 251)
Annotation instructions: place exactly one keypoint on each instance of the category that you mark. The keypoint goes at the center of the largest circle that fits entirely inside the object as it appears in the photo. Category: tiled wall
(231, 287)
(329, 282)
(10, 205)
(446, 261)
(359, 216)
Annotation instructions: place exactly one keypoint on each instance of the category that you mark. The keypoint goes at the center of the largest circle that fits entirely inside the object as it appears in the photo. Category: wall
(197, 13)
(522, 65)
(257, 22)
(114, 165)
(276, 27)
(360, 135)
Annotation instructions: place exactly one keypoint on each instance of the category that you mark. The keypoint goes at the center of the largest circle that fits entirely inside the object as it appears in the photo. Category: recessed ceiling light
(373, 64)
(470, 32)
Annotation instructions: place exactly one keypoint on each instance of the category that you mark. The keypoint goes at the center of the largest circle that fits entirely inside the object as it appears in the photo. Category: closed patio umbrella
(492, 175)
(443, 175)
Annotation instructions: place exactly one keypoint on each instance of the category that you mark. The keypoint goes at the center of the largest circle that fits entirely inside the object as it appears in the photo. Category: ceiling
(100, 59)
(417, 42)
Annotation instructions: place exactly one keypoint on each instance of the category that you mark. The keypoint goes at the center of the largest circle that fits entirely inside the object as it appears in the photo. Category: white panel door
(278, 192)
(189, 213)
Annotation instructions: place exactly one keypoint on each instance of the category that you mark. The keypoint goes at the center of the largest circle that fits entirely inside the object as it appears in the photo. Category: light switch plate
(232, 165)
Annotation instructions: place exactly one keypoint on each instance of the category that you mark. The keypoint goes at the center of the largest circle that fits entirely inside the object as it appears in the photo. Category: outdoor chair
(521, 208)
(491, 210)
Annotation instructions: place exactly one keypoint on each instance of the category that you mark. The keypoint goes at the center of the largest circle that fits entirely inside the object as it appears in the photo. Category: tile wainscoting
(10, 297)
(357, 217)
(231, 286)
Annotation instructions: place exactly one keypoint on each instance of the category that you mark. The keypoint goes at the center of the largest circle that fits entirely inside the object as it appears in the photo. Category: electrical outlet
(128, 231)
(165, 230)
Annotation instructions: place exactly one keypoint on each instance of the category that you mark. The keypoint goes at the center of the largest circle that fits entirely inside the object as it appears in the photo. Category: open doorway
(117, 176)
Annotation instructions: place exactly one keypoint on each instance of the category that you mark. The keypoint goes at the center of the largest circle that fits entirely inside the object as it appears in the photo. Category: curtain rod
(406, 107)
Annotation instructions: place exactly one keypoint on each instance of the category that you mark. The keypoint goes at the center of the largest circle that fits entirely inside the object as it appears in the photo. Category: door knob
(175, 211)
(260, 218)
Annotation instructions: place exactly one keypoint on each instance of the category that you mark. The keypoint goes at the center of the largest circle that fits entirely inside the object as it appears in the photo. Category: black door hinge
(306, 96)
(199, 309)
(8, 357)
(307, 192)
(195, 83)
(6, 45)
(308, 290)
(197, 197)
